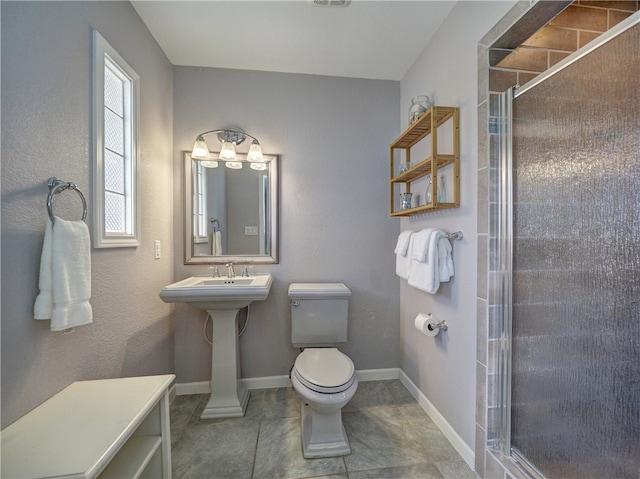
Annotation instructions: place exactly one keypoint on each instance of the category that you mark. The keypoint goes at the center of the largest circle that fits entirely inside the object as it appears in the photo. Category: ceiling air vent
(330, 3)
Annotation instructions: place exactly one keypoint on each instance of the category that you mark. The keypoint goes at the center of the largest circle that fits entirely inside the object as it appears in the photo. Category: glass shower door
(575, 268)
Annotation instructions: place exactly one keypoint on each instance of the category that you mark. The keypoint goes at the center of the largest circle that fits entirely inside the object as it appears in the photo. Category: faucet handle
(230, 272)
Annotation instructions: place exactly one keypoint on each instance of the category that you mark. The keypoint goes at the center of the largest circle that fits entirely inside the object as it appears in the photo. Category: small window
(116, 125)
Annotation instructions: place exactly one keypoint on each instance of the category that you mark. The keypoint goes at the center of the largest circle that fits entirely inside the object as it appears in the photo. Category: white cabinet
(110, 428)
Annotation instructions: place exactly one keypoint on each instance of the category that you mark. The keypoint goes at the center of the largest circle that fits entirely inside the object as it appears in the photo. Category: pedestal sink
(222, 298)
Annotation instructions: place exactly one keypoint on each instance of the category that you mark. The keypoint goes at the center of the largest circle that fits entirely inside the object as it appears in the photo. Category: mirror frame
(272, 213)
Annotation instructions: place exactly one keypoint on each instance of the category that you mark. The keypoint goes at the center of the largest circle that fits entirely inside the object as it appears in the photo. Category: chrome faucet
(230, 272)
(245, 271)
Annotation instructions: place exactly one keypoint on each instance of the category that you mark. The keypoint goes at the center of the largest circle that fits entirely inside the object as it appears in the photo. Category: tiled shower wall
(573, 28)
(532, 37)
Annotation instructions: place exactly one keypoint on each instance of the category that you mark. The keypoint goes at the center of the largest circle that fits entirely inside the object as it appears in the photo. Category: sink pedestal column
(229, 396)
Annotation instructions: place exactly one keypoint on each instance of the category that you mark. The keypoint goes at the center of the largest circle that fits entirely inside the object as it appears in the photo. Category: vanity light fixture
(230, 138)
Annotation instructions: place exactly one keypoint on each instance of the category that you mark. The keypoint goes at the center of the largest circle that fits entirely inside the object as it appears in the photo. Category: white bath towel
(421, 244)
(216, 243)
(403, 262)
(69, 275)
(43, 307)
(437, 267)
(402, 245)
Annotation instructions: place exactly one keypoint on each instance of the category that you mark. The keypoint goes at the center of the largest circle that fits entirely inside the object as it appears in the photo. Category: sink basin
(218, 294)
(222, 298)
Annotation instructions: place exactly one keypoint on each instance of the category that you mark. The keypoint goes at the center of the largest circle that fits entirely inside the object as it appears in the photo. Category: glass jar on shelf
(419, 104)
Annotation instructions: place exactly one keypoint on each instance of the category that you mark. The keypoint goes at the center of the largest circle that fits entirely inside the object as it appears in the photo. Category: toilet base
(323, 434)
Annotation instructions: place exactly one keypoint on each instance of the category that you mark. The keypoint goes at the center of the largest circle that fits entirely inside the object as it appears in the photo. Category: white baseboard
(271, 382)
(456, 441)
(378, 374)
(268, 382)
(185, 389)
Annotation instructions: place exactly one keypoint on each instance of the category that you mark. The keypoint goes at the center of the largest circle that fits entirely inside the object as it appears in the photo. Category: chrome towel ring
(56, 186)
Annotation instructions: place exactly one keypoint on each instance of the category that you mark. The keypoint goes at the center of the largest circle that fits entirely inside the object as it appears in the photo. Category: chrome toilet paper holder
(440, 324)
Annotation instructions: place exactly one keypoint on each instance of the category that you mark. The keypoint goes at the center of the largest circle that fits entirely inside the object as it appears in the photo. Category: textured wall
(444, 367)
(333, 136)
(46, 131)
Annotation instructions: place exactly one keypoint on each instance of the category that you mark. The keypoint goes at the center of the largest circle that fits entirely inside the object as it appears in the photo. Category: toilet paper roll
(427, 324)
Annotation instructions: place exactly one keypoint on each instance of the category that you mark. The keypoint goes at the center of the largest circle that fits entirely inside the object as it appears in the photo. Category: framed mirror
(230, 214)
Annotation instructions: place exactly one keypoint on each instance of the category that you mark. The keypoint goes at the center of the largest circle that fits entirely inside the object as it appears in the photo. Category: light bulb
(228, 151)
(234, 165)
(200, 150)
(209, 163)
(255, 152)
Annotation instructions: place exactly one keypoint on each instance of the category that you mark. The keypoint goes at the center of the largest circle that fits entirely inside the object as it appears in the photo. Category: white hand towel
(402, 245)
(43, 306)
(403, 263)
(445, 261)
(424, 275)
(71, 274)
(218, 242)
(422, 244)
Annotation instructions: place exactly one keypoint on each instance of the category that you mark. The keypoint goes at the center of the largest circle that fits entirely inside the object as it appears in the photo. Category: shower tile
(480, 451)
(216, 450)
(500, 80)
(617, 17)
(481, 375)
(505, 22)
(555, 38)
(483, 201)
(582, 18)
(482, 266)
(529, 59)
(493, 468)
(279, 453)
(628, 5)
(483, 80)
(482, 135)
(481, 327)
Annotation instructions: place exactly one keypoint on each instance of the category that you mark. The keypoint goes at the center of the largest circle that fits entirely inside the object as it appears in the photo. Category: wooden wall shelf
(426, 125)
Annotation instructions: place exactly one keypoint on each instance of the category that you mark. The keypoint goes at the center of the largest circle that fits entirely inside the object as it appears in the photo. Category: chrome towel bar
(454, 236)
(56, 186)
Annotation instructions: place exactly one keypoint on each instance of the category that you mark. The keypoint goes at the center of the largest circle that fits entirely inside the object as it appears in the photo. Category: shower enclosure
(569, 250)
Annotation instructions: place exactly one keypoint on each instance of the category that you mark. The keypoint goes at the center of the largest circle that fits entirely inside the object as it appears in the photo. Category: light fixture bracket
(233, 135)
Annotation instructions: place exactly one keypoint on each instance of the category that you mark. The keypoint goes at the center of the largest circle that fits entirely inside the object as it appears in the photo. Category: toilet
(324, 377)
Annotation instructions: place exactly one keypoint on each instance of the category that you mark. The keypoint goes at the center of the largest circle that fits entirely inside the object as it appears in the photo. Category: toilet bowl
(326, 381)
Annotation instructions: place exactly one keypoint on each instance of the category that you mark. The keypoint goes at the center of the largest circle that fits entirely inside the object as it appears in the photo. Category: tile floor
(389, 433)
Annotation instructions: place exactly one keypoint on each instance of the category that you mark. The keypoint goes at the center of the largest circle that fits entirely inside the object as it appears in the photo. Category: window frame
(104, 53)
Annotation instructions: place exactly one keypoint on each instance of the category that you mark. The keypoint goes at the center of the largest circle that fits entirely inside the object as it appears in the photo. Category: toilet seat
(324, 370)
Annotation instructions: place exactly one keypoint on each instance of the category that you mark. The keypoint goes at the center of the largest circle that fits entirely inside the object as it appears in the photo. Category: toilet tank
(319, 314)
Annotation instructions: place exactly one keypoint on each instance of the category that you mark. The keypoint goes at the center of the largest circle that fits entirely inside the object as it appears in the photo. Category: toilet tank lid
(318, 290)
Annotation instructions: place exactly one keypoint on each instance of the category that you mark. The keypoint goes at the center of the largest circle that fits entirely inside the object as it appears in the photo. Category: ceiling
(367, 39)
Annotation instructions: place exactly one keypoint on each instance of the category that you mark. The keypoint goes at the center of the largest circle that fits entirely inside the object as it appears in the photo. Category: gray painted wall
(46, 131)
(443, 367)
(333, 136)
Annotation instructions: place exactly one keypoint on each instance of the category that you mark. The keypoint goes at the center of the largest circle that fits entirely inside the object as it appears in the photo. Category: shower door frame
(504, 250)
